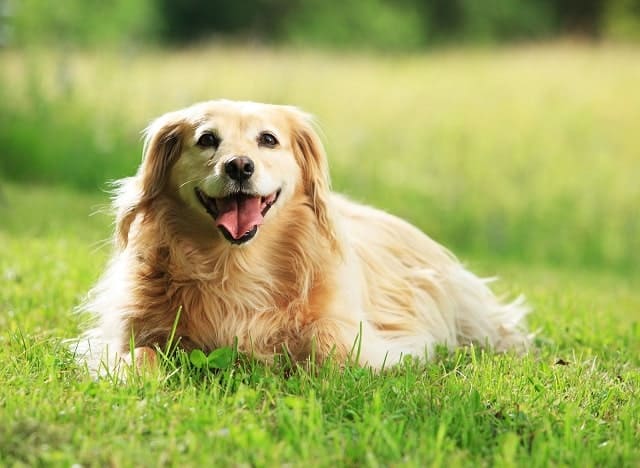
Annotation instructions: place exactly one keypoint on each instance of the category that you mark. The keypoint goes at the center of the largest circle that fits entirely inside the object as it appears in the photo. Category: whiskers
(101, 244)
(190, 181)
(101, 209)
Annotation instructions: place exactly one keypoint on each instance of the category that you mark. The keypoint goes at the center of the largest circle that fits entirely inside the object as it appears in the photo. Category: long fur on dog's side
(321, 272)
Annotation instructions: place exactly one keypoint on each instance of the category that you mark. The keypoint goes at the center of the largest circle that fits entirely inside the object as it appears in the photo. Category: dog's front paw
(144, 358)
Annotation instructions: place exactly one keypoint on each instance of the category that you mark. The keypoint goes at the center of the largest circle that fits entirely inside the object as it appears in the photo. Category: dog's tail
(484, 319)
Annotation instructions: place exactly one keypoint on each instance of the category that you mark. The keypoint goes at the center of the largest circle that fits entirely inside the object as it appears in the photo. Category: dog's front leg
(349, 341)
(143, 358)
(323, 339)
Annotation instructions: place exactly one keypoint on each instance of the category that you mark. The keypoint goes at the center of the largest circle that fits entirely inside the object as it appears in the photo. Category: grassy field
(526, 154)
(524, 161)
(575, 400)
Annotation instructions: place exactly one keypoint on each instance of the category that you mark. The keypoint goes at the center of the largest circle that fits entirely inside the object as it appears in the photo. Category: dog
(229, 233)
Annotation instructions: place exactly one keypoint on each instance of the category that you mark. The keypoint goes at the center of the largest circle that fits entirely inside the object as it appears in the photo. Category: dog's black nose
(239, 168)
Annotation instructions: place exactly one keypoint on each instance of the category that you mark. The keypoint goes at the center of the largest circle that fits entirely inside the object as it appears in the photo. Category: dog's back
(415, 292)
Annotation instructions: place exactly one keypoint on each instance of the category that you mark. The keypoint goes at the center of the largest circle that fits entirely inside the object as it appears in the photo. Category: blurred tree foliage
(380, 24)
(76, 22)
(392, 24)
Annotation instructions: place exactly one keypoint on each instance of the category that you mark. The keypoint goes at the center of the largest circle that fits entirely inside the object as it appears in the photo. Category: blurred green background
(505, 129)
(397, 25)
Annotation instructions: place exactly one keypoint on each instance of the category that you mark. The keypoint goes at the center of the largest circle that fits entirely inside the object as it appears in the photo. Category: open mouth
(238, 215)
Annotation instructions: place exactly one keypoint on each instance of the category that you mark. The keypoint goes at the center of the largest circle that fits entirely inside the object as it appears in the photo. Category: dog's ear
(312, 160)
(162, 147)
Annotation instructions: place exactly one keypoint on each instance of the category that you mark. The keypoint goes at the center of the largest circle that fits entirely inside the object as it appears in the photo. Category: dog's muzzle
(238, 215)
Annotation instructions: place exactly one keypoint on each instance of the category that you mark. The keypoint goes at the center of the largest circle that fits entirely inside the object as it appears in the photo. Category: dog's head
(233, 165)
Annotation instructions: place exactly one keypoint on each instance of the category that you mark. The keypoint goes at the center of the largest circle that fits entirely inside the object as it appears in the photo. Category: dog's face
(235, 164)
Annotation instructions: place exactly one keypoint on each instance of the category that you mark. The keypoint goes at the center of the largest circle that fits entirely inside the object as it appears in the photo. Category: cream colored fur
(321, 272)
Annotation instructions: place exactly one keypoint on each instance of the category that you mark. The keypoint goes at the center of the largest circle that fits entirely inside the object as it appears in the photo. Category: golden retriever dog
(230, 231)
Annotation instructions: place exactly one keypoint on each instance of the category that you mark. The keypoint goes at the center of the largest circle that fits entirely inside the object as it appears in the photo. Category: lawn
(524, 161)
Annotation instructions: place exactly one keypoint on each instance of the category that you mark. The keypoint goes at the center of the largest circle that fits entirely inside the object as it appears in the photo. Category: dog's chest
(263, 302)
(261, 315)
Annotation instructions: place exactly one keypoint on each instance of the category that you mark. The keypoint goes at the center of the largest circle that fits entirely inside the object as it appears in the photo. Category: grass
(574, 401)
(522, 153)
(524, 161)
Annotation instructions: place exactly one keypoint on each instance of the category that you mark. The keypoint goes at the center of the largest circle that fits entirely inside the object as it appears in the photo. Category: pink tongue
(239, 214)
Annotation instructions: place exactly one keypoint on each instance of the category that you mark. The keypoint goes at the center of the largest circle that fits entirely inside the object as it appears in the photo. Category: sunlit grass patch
(523, 161)
(573, 400)
(524, 153)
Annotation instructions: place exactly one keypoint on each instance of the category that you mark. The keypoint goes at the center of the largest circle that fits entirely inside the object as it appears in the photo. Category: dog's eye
(208, 140)
(267, 139)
